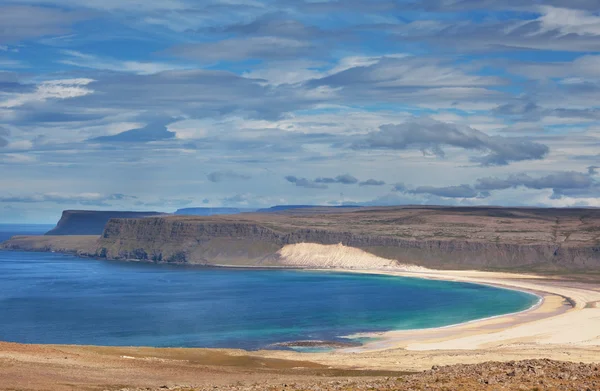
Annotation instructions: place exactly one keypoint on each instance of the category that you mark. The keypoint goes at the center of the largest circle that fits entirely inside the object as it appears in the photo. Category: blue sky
(164, 104)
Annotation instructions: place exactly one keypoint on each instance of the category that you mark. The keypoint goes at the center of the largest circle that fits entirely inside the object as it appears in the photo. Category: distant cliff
(513, 239)
(490, 238)
(84, 246)
(88, 222)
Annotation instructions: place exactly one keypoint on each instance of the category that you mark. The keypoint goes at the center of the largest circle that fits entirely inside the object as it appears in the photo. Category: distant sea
(60, 299)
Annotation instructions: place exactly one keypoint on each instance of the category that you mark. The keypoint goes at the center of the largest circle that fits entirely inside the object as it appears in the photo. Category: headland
(483, 238)
(551, 252)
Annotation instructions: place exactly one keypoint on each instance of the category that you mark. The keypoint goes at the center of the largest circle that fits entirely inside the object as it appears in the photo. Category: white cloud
(569, 21)
(117, 5)
(17, 158)
(390, 72)
(286, 72)
(52, 89)
(235, 49)
(192, 129)
(20, 145)
(297, 71)
(83, 60)
(21, 22)
(582, 68)
(95, 199)
(11, 64)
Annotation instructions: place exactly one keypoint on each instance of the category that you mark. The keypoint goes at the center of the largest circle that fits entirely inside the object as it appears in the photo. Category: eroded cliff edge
(490, 238)
(91, 222)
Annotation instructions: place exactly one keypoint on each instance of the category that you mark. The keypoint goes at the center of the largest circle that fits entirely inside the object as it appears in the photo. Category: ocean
(59, 299)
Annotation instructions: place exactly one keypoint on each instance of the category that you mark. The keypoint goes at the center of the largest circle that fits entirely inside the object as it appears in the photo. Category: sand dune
(338, 256)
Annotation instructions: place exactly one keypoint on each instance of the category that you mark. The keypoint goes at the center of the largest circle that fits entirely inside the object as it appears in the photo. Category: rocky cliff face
(164, 240)
(256, 241)
(89, 222)
(514, 239)
(84, 246)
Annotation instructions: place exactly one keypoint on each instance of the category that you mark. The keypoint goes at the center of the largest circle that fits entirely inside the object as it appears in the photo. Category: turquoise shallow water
(53, 298)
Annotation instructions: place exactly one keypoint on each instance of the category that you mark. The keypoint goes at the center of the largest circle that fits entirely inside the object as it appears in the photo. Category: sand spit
(338, 256)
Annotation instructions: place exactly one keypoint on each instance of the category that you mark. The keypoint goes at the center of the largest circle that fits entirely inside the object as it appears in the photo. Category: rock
(91, 222)
(398, 234)
(435, 237)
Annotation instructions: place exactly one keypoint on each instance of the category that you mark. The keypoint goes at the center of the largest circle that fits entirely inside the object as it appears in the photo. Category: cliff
(489, 238)
(80, 245)
(513, 239)
(88, 222)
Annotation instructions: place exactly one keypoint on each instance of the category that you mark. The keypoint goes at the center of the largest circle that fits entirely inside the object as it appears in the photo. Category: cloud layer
(222, 176)
(179, 103)
(430, 136)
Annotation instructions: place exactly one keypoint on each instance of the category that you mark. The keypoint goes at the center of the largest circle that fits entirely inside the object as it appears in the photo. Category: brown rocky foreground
(63, 367)
(58, 368)
(528, 375)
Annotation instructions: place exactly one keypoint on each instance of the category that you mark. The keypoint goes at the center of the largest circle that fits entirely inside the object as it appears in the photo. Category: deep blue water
(54, 298)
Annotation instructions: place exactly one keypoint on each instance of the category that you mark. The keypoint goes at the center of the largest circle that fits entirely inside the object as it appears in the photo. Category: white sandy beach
(565, 326)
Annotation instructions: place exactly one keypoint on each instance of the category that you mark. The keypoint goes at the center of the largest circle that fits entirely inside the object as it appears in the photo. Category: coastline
(564, 326)
(386, 338)
(381, 336)
(501, 337)
(527, 303)
(553, 329)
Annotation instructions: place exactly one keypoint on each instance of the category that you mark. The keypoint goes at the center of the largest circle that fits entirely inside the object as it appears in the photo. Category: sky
(166, 104)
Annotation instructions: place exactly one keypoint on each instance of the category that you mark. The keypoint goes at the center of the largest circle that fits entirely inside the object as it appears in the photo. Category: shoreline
(553, 329)
(536, 332)
(401, 271)
(563, 326)
(379, 335)
(386, 337)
